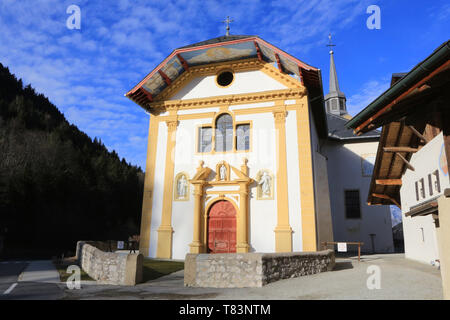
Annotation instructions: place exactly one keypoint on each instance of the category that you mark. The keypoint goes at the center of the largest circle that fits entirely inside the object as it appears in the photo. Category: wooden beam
(280, 67)
(433, 123)
(418, 134)
(447, 192)
(300, 72)
(389, 182)
(400, 149)
(397, 141)
(183, 62)
(410, 167)
(446, 133)
(258, 51)
(147, 94)
(165, 77)
(385, 196)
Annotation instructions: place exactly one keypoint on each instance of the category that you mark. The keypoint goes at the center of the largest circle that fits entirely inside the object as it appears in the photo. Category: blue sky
(86, 72)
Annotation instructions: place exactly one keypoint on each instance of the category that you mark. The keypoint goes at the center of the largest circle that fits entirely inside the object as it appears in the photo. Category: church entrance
(222, 228)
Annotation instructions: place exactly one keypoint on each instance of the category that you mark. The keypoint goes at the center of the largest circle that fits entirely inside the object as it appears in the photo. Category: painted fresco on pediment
(155, 84)
(173, 68)
(267, 53)
(288, 65)
(217, 54)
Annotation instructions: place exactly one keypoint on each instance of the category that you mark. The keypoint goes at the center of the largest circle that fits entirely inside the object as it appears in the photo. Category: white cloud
(86, 72)
(367, 93)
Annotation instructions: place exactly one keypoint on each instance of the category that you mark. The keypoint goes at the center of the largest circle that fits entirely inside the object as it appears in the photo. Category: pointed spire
(335, 99)
(334, 84)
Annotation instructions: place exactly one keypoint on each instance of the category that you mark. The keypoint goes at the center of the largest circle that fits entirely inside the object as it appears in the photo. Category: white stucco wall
(262, 213)
(420, 232)
(345, 173)
(262, 155)
(158, 187)
(324, 227)
(244, 82)
(295, 218)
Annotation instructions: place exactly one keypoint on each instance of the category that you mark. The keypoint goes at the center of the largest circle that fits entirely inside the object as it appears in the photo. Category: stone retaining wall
(237, 270)
(109, 267)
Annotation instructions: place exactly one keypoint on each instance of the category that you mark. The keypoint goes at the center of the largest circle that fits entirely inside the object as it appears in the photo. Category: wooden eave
(423, 209)
(390, 166)
(415, 100)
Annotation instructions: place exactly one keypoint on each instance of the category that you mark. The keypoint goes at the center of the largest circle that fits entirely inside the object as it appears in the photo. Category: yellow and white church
(234, 155)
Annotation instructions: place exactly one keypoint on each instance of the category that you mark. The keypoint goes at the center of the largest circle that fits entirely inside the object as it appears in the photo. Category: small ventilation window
(225, 78)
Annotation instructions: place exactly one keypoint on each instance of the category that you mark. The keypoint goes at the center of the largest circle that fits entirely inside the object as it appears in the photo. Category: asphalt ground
(15, 284)
(376, 277)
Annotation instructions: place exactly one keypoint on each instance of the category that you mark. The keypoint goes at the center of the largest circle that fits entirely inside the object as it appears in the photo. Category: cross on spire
(228, 21)
(330, 44)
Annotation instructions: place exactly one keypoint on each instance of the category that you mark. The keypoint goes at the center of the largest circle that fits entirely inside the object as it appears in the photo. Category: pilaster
(164, 247)
(283, 231)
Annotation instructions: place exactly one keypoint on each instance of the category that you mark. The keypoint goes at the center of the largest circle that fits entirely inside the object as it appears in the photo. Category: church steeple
(335, 100)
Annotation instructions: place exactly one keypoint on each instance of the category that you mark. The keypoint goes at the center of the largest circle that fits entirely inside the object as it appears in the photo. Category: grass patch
(62, 265)
(153, 269)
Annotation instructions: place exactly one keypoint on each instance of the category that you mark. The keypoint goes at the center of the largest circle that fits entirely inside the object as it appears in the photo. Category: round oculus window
(225, 78)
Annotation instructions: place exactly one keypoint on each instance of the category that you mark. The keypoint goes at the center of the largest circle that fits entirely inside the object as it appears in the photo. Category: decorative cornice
(284, 94)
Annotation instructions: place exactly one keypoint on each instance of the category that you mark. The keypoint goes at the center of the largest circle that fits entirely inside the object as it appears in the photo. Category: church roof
(217, 40)
(233, 47)
(338, 131)
(230, 48)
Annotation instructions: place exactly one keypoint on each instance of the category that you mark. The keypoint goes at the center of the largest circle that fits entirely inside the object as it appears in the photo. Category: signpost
(343, 245)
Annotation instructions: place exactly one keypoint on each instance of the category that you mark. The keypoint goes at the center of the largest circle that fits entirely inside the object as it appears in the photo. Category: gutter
(437, 58)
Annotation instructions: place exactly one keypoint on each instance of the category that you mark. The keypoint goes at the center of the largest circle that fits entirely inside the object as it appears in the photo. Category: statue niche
(264, 180)
(223, 171)
(181, 187)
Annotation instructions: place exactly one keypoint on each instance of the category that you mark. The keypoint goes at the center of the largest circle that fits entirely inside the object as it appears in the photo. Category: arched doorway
(222, 227)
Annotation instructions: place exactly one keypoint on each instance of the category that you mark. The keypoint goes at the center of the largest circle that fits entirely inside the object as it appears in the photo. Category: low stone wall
(109, 267)
(238, 270)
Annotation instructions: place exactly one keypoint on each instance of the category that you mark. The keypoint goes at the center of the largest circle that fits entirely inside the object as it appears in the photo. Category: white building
(236, 159)
(411, 169)
(350, 165)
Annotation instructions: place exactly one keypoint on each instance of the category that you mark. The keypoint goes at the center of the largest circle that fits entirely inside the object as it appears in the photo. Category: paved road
(400, 279)
(29, 286)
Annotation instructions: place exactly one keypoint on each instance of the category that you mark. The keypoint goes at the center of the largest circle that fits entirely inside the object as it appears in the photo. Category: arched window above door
(224, 133)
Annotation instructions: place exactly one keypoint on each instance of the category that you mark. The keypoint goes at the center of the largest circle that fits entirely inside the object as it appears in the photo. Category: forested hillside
(58, 186)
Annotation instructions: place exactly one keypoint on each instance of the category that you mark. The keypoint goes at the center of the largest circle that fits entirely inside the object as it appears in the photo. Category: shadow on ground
(342, 266)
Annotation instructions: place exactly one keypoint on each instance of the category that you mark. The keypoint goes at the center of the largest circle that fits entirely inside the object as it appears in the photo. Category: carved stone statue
(182, 187)
(264, 182)
(223, 172)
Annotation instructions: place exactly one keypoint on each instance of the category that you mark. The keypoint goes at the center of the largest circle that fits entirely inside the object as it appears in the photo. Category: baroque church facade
(235, 159)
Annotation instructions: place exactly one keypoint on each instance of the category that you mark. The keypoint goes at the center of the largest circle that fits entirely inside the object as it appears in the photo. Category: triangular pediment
(249, 76)
(158, 84)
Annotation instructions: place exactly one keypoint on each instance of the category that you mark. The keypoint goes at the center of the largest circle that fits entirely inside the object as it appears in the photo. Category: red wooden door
(222, 228)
